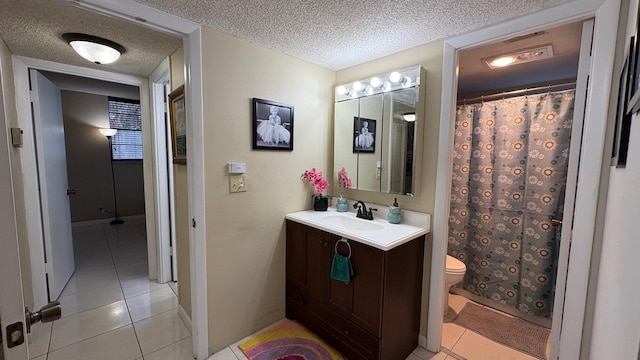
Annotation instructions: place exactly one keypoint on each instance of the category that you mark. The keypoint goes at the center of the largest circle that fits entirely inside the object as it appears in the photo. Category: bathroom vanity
(376, 315)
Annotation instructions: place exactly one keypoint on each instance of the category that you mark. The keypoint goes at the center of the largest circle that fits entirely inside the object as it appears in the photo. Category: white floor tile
(476, 347)
(423, 354)
(82, 326)
(90, 279)
(174, 286)
(39, 339)
(90, 299)
(140, 285)
(133, 271)
(41, 357)
(119, 344)
(152, 303)
(159, 331)
(181, 350)
(224, 354)
(451, 333)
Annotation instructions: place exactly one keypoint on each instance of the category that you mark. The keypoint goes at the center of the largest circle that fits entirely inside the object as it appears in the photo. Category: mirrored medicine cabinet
(375, 134)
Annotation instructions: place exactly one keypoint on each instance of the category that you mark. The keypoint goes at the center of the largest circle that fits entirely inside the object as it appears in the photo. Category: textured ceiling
(337, 33)
(32, 28)
(332, 33)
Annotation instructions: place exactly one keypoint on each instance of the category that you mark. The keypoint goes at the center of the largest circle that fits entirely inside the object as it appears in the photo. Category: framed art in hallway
(178, 119)
(623, 116)
(633, 58)
(272, 125)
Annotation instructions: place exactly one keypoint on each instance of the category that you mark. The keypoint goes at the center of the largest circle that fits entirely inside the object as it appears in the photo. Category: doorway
(566, 344)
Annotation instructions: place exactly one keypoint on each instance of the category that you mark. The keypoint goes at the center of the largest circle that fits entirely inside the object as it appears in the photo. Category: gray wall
(88, 165)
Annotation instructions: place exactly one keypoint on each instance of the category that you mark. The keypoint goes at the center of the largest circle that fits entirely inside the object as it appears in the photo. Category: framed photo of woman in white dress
(272, 125)
(364, 135)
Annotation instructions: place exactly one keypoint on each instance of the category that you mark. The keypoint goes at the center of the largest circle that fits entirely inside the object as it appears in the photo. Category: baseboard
(106, 221)
(422, 341)
(185, 318)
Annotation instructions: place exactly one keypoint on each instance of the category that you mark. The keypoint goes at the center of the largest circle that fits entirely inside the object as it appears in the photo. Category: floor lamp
(109, 134)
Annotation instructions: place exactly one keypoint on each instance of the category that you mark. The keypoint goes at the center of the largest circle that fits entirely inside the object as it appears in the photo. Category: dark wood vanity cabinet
(375, 316)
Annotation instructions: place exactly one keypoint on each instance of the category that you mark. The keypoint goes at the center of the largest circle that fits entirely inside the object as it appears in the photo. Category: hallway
(110, 309)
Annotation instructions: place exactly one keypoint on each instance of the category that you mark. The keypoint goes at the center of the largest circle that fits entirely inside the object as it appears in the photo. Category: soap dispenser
(394, 213)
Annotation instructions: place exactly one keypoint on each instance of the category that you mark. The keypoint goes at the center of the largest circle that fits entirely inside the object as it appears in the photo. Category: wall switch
(236, 168)
(237, 183)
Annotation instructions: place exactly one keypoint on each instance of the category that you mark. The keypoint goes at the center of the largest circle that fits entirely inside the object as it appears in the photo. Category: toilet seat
(455, 266)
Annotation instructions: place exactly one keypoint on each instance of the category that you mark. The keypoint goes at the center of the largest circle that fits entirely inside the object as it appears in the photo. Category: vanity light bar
(395, 80)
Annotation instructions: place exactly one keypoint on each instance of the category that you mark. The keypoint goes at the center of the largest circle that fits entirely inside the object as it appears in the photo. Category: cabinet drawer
(340, 328)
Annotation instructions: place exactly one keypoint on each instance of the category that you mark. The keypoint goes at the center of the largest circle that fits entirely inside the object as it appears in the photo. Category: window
(124, 115)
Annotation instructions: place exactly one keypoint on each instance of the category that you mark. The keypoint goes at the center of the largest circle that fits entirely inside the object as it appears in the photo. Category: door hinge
(193, 223)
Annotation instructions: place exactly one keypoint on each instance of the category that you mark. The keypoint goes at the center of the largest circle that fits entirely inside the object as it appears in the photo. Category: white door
(52, 176)
(11, 301)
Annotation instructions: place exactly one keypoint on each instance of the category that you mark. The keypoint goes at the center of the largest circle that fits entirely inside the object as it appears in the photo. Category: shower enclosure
(510, 163)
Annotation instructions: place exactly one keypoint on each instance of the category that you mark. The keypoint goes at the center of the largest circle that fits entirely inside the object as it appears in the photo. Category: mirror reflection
(375, 132)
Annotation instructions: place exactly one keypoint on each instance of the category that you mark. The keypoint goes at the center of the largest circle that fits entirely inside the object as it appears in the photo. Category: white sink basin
(351, 223)
(377, 232)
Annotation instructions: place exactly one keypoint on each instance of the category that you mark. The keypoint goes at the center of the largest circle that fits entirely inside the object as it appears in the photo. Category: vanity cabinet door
(308, 253)
(361, 299)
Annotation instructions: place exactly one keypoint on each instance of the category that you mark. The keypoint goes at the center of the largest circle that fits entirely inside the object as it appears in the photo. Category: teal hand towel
(341, 268)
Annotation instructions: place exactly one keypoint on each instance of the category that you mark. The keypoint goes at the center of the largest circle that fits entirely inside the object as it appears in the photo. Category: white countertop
(386, 237)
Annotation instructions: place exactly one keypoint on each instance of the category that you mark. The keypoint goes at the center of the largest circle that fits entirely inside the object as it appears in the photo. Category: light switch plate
(237, 183)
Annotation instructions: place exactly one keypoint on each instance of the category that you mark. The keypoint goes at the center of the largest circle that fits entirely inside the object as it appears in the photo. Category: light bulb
(375, 82)
(386, 86)
(406, 82)
(502, 61)
(368, 90)
(96, 53)
(341, 90)
(108, 132)
(357, 86)
(395, 76)
(353, 94)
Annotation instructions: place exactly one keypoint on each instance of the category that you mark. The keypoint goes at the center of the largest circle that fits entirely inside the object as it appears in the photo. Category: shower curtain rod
(526, 91)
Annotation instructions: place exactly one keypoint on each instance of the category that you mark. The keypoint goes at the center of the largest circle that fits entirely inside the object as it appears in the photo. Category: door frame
(605, 13)
(191, 39)
(11, 298)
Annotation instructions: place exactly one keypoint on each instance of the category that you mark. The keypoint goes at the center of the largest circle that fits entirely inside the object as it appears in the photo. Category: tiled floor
(466, 344)
(110, 309)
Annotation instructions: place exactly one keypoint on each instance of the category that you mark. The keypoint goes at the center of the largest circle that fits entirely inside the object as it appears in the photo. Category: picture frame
(178, 119)
(272, 125)
(622, 124)
(364, 135)
(633, 95)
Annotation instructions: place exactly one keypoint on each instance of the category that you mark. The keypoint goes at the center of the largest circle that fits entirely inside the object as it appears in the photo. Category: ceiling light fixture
(519, 57)
(93, 48)
(396, 80)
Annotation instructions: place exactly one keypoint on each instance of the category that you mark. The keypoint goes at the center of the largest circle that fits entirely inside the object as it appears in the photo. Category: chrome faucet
(363, 213)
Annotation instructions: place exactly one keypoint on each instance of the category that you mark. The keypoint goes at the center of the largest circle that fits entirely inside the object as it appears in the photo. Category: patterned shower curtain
(509, 174)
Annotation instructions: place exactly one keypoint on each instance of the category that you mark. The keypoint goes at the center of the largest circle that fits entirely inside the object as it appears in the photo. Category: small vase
(320, 203)
(341, 205)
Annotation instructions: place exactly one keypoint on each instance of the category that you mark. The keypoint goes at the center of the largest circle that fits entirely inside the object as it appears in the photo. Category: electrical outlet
(237, 183)
(377, 173)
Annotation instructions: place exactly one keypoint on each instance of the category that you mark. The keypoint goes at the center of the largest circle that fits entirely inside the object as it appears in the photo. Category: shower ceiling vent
(519, 57)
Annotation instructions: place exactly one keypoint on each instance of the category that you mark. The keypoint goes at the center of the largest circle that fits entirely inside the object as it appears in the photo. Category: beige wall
(11, 118)
(429, 56)
(181, 201)
(245, 231)
(88, 162)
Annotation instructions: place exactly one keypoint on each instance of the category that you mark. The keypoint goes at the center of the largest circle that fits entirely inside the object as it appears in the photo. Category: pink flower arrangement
(343, 179)
(318, 182)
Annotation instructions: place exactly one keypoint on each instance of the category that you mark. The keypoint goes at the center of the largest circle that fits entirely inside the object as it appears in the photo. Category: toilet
(454, 274)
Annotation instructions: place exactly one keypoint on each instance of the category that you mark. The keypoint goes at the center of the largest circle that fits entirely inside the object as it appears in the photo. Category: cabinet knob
(324, 243)
(347, 332)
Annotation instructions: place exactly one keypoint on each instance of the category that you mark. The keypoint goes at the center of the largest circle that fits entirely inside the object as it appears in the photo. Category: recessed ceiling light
(519, 57)
(93, 48)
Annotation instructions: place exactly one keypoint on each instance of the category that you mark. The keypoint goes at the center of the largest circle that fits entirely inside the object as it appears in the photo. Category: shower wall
(509, 174)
